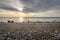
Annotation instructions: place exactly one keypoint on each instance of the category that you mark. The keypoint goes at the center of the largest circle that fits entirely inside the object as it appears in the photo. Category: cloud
(30, 5)
(5, 7)
(11, 5)
(41, 5)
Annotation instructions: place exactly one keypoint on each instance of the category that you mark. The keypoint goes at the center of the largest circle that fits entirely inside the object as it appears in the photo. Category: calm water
(43, 19)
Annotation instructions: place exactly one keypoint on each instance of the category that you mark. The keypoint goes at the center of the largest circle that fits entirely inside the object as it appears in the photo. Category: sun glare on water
(23, 15)
(21, 19)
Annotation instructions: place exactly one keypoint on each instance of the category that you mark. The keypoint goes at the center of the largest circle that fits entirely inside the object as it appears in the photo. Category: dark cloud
(41, 5)
(31, 5)
(5, 7)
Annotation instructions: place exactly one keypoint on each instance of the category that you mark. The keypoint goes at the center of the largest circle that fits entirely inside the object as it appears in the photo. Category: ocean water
(31, 19)
(44, 19)
(5, 19)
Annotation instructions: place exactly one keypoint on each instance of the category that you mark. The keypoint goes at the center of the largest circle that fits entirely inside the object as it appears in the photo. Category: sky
(38, 8)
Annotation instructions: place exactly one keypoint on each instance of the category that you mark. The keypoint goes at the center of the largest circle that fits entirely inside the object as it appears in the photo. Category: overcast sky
(35, 6)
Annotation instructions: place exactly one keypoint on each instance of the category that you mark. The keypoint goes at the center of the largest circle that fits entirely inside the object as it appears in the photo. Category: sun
(20, 9)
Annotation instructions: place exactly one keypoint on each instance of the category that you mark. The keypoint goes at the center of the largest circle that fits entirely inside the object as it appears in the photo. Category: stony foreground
(29, 31)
